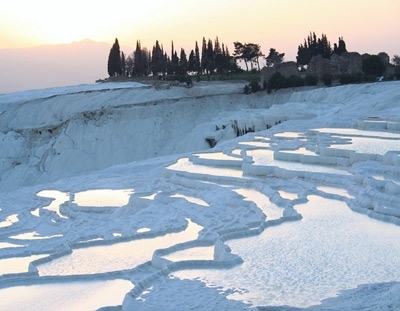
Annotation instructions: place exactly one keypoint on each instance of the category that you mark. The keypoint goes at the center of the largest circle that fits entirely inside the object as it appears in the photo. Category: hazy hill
(53, 65)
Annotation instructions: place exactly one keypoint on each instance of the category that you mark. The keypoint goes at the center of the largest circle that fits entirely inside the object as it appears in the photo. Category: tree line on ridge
(216, 58)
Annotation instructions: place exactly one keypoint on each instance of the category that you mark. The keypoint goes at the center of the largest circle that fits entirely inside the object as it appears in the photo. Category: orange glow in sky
(367, 26)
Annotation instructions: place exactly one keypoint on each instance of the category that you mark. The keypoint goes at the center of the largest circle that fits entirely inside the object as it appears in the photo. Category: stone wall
(287, 69)
(347, 63)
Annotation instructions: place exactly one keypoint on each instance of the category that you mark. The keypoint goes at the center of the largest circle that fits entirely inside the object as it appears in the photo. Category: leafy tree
(396, 60)
(248, 52)
(238, 53)
(254, 52)
(396, 63)
(114, 67)
(274, 57)
(373, 65)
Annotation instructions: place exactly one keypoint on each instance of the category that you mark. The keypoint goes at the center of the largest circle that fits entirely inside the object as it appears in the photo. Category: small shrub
(311, 80)
(327, 79)
(294, 81)
(344, 78)
(255, 86)
(370, 78)
(358, 77)
(276, 82)
(347, 78)
(252, 87)
(397, 72)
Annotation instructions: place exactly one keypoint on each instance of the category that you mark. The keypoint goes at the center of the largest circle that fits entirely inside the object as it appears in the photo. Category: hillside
(112, 198)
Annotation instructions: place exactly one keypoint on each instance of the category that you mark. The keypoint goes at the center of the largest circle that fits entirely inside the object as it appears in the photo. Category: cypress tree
(157, 59)
(138, 60)
(204, 59)
(114, 60)
(210, 57)
(190, 67)
(196, 60)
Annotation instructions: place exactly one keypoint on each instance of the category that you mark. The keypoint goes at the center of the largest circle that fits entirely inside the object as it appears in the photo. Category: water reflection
(119, 256)
(66, 296)
(17, 264)
(58, 199)
(300, 263)
(103, 197)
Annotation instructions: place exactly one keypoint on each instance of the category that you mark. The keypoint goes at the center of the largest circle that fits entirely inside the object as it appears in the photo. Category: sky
(367, 26)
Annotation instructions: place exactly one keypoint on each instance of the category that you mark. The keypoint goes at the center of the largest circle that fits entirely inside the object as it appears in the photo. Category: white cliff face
(41, 138)
(276, 216)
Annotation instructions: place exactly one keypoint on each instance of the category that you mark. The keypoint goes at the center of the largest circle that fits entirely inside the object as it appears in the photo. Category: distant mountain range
(53, 65)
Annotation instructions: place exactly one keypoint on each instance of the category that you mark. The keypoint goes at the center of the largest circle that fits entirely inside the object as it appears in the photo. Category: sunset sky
(367, 26)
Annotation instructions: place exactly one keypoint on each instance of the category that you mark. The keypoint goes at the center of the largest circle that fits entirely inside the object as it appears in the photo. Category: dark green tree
(276, 82)
(238, 53)
(123, 64)
(204, 56)
(253, 52)
(114, 67)
(340, 48)
(174, 60)
(190, 66)
(183, 63)
(219, 56)
(274, 57)
(129, 65)
(138, 61)
(324, 47)
(196, 60)
(304, 55)
(248, 52)
(396, 60)
(141, 61)
(157, 60)
(311, 79)
(210, 57)
(373, 66)
(313, 46)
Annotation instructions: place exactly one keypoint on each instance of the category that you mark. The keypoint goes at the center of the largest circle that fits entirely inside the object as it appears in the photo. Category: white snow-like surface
(111, 198)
